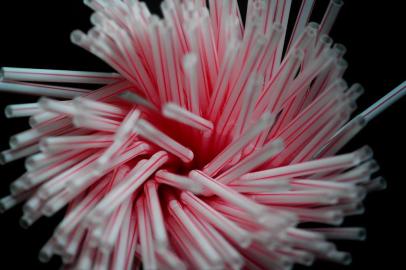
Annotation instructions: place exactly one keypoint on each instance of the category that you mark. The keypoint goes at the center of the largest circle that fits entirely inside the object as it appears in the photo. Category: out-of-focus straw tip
(44, 193)
(360, 193)
(88, 2)
(47, 211)
(68, 258)
(42, 102)
(341, 83)
(337, 218)
(13, 141)
(362, 234)
(287, 264)
(381, 183)
(76, 36)
(1, 74)
(314, 25)
(7, 110)
(347, 260)
(326, 39)
(3, 208)
(13, 188)
(24, 223)
(343, 258)
(373, 166)
(3, 159)
(189, 156)
(95, 18)
(342, 63)
(364, 153)
(16, 187)
(337, 2)
(44, 257)
(360, 208)
(341, 49)
(358, 88)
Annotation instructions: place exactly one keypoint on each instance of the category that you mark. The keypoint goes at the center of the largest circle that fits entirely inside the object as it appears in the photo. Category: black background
(36, 34)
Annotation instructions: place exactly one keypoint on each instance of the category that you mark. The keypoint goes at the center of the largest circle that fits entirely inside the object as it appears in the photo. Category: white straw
(330, 16)
(383, 103)
(57, 76)
(179, 114)
(21, 110)
(42, 90)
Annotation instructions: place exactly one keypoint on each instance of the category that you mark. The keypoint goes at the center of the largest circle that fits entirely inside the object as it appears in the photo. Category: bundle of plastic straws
(213, 141)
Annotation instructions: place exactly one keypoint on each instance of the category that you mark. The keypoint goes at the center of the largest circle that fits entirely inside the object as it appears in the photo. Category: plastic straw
(57, 76)
(41, 90)
(21, 110)
(174, 112)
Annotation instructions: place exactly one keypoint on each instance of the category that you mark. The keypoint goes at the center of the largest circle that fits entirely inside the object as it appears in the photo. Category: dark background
(36, 34)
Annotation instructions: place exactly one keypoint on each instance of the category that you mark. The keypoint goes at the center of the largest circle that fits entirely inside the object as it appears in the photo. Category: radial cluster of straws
(213, 141)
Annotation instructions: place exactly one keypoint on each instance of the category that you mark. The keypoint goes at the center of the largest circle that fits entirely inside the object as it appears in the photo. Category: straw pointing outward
(208, 145)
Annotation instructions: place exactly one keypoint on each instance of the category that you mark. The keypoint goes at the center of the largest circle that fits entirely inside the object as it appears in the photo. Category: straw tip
(337, 2)
(381, 183)
(77, 36)
(3, 208)
(44, 257)
(88, 2)
(68, 258)
(16, 187)
(364, 153)
(24, 223)
(343, 258)
(362, 234)
(189, 156)
(341, 49)
(314, 25)
(43, 102)
(96, 19)
(8, 112)
(3, 159)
